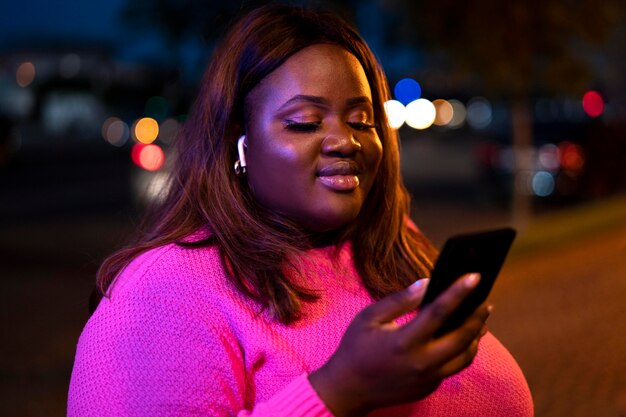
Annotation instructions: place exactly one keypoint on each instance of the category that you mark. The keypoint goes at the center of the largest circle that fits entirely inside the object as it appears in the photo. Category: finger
(482, 312)
(453, 344)
(457, 341)
(433, 316)
(396, 304)
(460, 362)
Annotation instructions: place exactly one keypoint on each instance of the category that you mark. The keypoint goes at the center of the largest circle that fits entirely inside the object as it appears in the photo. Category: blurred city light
(407, 90)
(115, 131)
(15, 101)
(420, 114)
(25, 74)
(572, 156)
(479, 113)
(458, 114)
(69, 66)
(396, 113)
(573, 111)
(168, 130)
(593, 104)
(146, 130)
(149, 157)
(445, 112)
(542, 184)
(549, 157)
(72, 112)
(157, 186)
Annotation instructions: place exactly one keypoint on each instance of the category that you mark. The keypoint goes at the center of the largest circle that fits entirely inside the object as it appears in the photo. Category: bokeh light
(420, 114)
(459, 114)
(572, 156)
(445, 112)
(146, 130)
(115, 131)
(25, 74)
(168, 130)
(407, 90)
(396, 113)
(542, 184)
(479, 113)
(149, 157)
(593, 104)
(549, 157)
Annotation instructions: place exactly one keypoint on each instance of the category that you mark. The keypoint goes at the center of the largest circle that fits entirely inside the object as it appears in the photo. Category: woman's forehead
(322, 70)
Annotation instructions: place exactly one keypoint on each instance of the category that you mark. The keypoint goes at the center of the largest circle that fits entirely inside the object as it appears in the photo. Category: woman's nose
(340, 143)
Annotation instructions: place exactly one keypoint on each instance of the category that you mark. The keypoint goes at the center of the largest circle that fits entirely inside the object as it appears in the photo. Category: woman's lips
(340, 176)
(340, 182)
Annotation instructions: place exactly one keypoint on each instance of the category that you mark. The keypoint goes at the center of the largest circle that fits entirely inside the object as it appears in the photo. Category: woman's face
(312, 148)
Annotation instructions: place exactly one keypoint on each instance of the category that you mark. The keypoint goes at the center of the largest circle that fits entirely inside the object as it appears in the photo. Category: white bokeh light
(396, 113)
(420, 114)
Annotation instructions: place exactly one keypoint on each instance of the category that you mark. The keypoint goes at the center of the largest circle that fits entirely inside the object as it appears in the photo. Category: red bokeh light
(149, 157)
(593, 104)
(572, 156)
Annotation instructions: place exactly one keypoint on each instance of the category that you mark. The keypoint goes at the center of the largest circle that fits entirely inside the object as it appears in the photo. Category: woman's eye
(302, 126)
(361, 125)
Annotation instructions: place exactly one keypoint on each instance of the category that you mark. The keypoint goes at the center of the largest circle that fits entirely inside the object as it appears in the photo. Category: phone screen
(482, 252)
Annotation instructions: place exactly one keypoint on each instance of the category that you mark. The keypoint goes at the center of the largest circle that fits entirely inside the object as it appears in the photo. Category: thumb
(397, 304)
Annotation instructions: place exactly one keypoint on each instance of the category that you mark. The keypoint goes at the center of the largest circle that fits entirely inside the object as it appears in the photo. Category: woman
(277, 278)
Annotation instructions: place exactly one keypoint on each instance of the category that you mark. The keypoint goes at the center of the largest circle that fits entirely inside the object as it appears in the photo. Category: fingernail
(418, 286)
(471, 280)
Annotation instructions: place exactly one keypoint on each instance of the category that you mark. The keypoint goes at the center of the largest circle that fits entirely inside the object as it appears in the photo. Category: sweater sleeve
(148, 351)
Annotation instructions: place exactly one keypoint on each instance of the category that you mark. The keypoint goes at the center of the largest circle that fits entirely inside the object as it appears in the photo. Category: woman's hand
(379, 363)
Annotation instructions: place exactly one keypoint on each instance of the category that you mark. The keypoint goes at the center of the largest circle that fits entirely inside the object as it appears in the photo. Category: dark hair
(256, 244)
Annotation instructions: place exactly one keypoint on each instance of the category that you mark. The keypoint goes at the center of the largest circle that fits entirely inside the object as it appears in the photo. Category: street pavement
(561, 311)
(560, 304)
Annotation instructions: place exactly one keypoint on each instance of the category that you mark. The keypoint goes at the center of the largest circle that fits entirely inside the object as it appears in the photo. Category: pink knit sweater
(176, 339)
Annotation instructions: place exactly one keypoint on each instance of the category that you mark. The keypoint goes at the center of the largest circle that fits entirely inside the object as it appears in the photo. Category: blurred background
(510, 113)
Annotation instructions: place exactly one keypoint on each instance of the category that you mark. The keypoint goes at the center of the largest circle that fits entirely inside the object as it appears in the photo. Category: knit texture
(176, 339)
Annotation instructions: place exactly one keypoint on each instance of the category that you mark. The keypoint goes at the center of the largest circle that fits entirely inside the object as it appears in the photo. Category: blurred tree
(517, 49)
(181, 19)
(200, 21)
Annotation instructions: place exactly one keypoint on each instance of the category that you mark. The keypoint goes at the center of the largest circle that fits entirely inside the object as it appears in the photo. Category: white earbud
(240, 164)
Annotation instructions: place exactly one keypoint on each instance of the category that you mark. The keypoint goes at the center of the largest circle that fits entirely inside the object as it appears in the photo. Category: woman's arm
(149, 350)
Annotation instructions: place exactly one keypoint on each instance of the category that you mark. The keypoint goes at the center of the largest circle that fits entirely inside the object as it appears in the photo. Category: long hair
(256, 244)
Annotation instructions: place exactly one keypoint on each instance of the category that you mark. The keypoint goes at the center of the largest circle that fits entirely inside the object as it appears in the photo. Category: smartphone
(483, 252)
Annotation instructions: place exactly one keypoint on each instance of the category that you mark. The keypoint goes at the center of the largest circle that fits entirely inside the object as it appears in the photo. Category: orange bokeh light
(146, 130)
(25, 74)
(445, 112)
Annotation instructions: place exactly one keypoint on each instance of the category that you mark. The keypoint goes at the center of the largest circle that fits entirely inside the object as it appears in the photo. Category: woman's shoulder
(171, 270)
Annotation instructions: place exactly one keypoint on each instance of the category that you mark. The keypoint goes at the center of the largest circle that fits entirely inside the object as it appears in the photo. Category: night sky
(92, 20)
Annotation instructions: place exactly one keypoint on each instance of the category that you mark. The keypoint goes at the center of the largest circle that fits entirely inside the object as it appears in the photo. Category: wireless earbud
(240, 164)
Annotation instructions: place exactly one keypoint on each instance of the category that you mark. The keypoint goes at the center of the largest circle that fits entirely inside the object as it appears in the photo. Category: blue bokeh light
(407, 90)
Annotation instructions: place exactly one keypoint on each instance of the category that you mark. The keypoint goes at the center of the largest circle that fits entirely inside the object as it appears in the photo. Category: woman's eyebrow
(305, 98)
(358, 100)
(351, 102)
